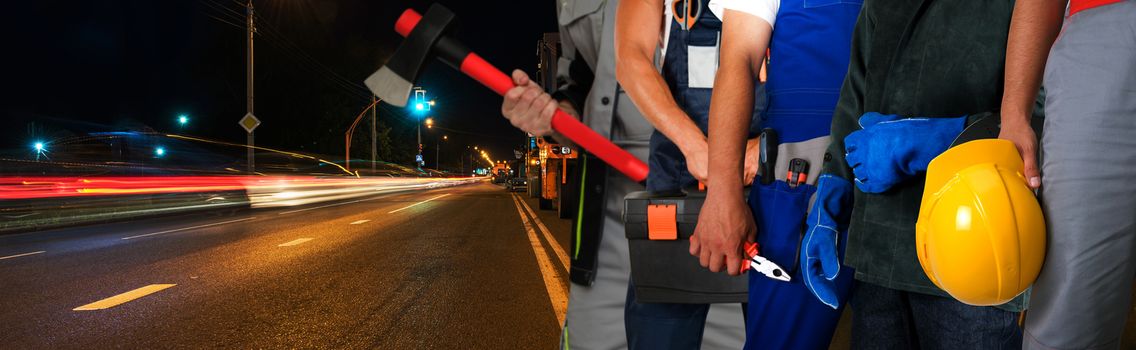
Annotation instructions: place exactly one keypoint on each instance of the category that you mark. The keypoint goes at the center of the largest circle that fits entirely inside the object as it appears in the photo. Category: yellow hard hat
(980, 234)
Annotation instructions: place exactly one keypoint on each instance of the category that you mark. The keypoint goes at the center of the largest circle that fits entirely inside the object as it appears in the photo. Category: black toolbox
(658, 229)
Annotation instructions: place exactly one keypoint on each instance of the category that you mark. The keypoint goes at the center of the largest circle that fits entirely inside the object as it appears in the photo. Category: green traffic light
(183, 119)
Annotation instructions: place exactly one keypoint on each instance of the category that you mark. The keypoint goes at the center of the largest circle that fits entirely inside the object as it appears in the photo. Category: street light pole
(351, 130)
(438, 152)
(374, 135)
(249, 81)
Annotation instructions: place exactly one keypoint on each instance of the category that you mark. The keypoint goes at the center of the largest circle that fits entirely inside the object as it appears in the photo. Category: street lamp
(159, 152)
(183, 120)
(38, 147)
(429, 123)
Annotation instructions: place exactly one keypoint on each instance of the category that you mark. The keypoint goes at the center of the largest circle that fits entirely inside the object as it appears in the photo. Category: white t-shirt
(764, 9)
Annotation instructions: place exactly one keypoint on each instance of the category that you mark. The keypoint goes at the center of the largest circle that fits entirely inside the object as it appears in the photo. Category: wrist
(726, 188)
(753, 146)
(692, 144)
(1015, 118)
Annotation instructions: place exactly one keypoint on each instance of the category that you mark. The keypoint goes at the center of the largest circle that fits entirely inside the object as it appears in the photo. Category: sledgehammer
(426, 36)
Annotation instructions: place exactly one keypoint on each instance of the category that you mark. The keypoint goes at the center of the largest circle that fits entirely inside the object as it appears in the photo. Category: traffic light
(39, 146)
(159, 152)
(421, 105)
(183, 120)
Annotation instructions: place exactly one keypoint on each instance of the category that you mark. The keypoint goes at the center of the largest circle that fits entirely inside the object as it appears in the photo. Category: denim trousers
(884, 318)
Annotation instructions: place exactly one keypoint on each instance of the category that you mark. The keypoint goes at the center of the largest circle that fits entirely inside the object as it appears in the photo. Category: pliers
(763, 265)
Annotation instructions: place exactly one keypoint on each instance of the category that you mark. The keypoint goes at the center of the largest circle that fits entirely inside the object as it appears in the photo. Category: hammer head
(393, 81)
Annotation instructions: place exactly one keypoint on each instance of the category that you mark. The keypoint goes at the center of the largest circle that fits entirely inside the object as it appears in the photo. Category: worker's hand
(697, 160)
(752, 159)
(724, 225)
(1022, 135)
(528, 107)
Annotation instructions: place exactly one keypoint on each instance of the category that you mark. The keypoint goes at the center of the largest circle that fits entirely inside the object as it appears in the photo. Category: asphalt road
(452, 268)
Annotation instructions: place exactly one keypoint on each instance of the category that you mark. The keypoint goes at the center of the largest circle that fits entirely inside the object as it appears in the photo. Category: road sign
(249, 122)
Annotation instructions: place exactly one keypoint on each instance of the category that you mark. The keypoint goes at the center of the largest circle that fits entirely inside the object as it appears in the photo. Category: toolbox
(658, 229)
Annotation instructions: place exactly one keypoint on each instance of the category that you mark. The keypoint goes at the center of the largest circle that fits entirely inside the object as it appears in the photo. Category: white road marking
(189, 228)
(556, 248)
(295, 242)
(24, 254)
(332, 205)
(415, 204)
(124, 297)
(360, 222)
(557, 290)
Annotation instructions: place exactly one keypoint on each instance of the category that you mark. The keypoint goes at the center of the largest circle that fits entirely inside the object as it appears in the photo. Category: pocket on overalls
(779, 212)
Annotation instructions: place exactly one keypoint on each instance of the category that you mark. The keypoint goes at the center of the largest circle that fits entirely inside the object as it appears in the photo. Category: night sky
(73, 67)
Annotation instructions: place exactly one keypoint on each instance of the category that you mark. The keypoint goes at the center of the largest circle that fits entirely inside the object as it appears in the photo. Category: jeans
(661, 326)
(884, 318)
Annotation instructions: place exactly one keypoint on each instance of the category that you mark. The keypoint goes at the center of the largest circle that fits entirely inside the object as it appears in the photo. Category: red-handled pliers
(763, 265)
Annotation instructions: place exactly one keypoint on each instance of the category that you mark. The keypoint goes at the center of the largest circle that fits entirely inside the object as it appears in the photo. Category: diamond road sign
(249, 122)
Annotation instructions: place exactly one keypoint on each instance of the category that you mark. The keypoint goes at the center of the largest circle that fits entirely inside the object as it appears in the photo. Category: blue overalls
(689, 65)
(809, 53)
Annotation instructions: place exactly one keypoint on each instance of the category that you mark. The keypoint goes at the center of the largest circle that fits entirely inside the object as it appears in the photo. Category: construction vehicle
(550, 166)
(500, 172)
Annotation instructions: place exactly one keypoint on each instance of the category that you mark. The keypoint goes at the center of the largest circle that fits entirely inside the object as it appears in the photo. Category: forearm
(1033, 29)
(650, 93)
(745, 38)
(730, 111)
(637, 27)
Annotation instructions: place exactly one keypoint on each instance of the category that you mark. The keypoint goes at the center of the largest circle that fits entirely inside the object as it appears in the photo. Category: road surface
(451, 268)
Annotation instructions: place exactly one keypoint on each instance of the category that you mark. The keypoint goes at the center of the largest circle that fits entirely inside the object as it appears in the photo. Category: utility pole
(420, 139)
(249, 82)
(374, 135)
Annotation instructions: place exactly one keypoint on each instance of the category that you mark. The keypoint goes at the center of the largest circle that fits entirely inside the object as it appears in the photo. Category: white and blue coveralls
(690, 61)
(809, 53)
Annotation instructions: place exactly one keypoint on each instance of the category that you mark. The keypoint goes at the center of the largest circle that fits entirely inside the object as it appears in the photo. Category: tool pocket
(779, 212)
(702, 66)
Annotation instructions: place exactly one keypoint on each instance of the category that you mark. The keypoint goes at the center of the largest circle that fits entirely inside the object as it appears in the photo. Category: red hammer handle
(488, 75)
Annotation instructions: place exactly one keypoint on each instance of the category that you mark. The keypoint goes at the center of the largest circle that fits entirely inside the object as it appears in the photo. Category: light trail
(35, 203)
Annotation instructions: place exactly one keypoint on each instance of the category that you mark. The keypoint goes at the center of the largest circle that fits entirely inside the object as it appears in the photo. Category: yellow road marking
(360, 222)
(123, 298)
(189, 228)
(556, 248)
(412, 205)
(295, 242)
(557, 290)
(24, 254)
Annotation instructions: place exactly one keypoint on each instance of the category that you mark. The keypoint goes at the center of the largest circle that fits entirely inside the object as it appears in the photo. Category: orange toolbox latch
(662, 222)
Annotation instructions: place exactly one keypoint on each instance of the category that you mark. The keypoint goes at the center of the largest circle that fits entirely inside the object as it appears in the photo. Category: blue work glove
(890, 148)
(820, 258)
